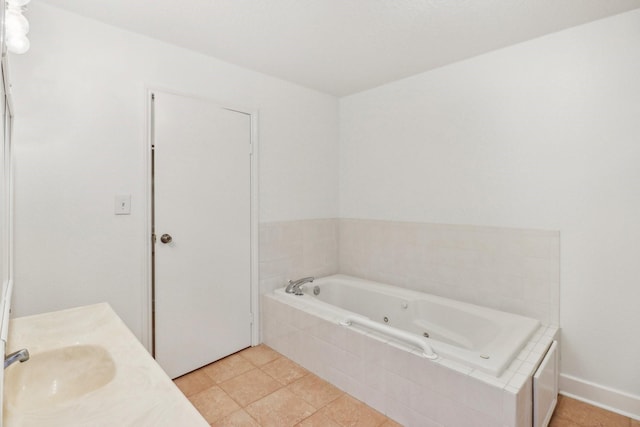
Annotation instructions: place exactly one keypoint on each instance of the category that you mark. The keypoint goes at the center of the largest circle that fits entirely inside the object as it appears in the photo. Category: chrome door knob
(166, 238)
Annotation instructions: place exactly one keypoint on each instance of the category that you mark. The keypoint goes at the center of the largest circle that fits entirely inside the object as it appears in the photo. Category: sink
(55, 377)
(87, 369)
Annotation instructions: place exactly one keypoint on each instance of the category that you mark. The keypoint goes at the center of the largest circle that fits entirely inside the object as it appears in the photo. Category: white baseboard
(601, 396)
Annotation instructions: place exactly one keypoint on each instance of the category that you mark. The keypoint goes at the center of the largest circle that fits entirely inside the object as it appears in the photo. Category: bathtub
(482, 338)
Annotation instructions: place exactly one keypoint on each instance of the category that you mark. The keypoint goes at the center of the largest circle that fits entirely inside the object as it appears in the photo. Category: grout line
(281, 386)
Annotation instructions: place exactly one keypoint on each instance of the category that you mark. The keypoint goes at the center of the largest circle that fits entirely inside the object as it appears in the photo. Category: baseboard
(601, 396)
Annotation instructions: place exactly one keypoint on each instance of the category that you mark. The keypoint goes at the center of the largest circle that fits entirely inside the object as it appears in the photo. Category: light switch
(123, 205)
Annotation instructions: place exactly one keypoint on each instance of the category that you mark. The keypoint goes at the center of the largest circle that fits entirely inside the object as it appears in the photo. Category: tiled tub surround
(480, 337)
(509, 269)
(292, 249)
(513, 270)
(392, 377)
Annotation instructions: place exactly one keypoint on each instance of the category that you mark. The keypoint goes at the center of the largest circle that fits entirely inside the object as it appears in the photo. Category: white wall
(80, 100)
(539, 135)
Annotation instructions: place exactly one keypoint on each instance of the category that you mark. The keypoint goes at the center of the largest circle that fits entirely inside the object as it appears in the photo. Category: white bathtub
(483, 338)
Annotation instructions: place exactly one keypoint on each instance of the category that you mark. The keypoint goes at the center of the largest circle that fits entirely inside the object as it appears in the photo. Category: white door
(202, 204)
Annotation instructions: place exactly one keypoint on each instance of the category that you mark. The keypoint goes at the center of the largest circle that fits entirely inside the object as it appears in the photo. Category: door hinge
(251, 318)
(153, 239)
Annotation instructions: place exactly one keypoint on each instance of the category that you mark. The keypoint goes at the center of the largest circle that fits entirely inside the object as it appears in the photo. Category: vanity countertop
(129, 389)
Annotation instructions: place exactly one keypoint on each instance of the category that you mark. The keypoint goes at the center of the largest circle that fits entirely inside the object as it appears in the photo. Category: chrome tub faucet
(295, 286)
(16, 356)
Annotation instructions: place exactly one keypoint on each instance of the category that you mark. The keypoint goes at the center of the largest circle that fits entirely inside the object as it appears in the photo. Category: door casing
(147, 305)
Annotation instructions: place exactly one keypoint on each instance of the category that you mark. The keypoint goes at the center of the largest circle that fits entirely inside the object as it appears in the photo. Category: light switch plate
(123, 204)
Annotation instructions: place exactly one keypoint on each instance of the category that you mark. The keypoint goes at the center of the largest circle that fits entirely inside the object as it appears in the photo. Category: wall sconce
(16, 26)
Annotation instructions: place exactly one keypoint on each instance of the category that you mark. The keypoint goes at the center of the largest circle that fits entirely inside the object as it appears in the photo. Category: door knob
(166, 238)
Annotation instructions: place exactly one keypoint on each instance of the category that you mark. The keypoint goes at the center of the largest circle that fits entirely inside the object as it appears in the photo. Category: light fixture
(15, 22)
(16, 26)
(17, 43)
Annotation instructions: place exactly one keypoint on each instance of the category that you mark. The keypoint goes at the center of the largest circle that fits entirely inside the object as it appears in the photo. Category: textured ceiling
(344, 46)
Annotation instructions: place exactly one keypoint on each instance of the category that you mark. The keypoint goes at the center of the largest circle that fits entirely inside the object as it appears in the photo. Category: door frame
(147, 291)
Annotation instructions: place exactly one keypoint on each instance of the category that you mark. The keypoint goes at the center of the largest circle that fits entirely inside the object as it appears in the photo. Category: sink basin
(87, 369)
(55, 377)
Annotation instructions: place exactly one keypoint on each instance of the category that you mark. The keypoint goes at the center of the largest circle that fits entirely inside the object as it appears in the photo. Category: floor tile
(390, 423)
(284, 370)
(315, 390)
(602, 418)
(248, 387)
(260, 354)
(280, 409)
(586, 415)
(318, 420)
(277, 392)
(238, 418)
(349, 412)
(214, 404)
(563, 408)
(194, 382)
(561, 422)
(227, 368)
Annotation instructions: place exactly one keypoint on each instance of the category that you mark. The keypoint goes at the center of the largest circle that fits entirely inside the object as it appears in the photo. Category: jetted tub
(483, 338)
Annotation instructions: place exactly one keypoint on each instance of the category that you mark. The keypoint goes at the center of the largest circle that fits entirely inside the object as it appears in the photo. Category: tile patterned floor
(260, 387)
(574, 413)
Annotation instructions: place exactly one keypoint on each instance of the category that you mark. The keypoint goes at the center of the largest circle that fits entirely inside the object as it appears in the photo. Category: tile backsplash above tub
(514, 270)
(294, 249)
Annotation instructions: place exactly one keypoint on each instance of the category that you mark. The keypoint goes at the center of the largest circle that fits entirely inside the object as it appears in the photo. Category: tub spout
(295, 286)
(17, 356)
